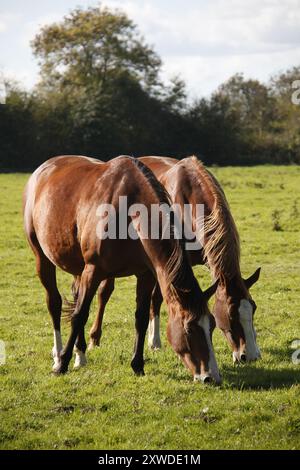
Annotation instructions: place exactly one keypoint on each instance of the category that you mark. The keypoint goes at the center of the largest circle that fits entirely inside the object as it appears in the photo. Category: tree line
(100, 94)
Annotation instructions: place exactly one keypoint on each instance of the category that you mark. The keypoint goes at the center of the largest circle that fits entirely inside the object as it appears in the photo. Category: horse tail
(69, 305)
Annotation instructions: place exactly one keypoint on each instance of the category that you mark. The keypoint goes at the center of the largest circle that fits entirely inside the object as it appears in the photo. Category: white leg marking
(202, 378)
(236, 357)
(154, 333)
(57, 348)
(80, 359)
(197, 378)
(212, 363)
(246, 319)
(91, 345)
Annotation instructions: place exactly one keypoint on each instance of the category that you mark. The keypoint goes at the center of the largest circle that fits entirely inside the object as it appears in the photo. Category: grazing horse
(61, 219)
(189, 182)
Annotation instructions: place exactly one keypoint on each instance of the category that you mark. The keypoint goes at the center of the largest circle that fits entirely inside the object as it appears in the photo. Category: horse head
(234, 310)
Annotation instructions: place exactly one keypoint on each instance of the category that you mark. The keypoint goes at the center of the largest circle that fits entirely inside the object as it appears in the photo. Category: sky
(203, 41)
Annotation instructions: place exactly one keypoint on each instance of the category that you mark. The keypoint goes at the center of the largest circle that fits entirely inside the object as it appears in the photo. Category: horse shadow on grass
(259, 377)
(247, 377)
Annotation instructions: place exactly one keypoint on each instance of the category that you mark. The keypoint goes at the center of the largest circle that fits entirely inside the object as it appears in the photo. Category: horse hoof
(137, 367)
(93, 345)
(60, 369)
(56, 364)
(154, 347)
(80, 359)
(139, 373)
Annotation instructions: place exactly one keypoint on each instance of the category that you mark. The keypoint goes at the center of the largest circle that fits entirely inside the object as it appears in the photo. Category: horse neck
(167, 255)
(221, 246)
(179, 286)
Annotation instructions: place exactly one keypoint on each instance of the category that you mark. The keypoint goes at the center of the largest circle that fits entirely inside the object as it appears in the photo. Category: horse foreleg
(80, 344)
(144, 289)
(154, 341)
(104, 293)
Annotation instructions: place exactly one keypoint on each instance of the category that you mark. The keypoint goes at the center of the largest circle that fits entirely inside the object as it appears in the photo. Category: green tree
(286, 122)
(251, 100)
(95, 64)
(17, 128)
(91, 47)
(217, 130)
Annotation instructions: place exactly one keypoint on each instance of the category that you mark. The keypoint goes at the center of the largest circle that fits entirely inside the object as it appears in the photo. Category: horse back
(60, 212)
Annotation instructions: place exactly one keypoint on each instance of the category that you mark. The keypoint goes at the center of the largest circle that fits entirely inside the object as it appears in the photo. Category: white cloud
(16, 59)
(7, 21)
(219, 27)
(207, 42)
(204, 74)
(204, 41)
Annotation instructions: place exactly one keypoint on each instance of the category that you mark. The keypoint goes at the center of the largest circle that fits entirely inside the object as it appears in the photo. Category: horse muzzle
(208, 379)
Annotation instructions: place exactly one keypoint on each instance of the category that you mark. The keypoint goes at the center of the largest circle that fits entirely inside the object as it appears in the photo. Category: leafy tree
(286, 122)
(17, 128)
(100, 94)
(251, 100)
(95, 64)
(91, 47)
(175, 95)
(217, 129)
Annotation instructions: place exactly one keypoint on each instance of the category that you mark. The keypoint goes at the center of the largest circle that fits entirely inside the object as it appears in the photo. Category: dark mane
(179, 273)
(160, 191)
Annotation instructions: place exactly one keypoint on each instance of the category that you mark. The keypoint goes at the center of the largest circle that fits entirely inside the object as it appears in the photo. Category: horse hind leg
(104, 293)
(46, 271)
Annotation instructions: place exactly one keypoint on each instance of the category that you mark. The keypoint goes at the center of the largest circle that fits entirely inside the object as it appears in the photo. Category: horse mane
(180, 277)
(178, 259)
(221, 238)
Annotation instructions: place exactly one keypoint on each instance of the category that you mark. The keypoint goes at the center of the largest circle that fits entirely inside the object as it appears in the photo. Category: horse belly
(59, 243)
(118, 258)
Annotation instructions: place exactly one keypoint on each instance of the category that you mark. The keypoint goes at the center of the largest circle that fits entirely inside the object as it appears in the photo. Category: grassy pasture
(103, 406)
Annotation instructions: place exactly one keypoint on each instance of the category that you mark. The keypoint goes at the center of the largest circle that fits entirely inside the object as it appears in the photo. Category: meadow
(104, 406)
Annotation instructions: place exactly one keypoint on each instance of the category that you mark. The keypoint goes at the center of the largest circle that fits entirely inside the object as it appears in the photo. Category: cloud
(204, 74)
(218, 27)
(207, 42)
(7, 21)
(2, 26)
(203, 41)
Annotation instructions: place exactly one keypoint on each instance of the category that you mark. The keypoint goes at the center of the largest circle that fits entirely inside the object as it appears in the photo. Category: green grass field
(104, 406)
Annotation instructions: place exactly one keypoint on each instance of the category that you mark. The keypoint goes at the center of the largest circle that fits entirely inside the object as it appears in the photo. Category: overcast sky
(204, 41)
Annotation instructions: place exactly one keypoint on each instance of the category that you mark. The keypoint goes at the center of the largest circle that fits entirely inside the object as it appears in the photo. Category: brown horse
(188, 182)
(61, 204)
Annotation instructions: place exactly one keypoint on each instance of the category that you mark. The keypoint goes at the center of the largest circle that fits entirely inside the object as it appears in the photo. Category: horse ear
(252, 279)
(211, 290)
